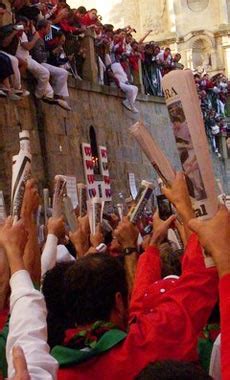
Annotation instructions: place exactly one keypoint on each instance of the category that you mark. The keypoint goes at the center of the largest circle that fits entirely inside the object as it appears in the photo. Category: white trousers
(16, 77)
(130, 92)
(42, 76)
(59, 79)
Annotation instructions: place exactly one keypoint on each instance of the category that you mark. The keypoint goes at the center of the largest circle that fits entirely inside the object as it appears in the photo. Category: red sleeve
(225, 326)
(193, 256)
(179, 315)
(148, 271)
(64, 25)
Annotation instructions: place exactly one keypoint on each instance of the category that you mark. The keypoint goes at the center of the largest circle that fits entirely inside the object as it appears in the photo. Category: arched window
(95, 157)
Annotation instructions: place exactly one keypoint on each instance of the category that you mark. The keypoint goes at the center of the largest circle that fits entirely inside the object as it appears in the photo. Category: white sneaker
(63, 104)
(3, 94)
(134, 109)
(22, 92)
(13, 96)
(126, 104)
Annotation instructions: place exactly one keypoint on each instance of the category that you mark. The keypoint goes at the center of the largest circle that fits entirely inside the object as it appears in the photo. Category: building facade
(198, 29)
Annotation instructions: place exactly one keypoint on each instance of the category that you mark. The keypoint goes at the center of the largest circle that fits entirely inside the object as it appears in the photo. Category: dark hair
(42, 24)
(93, 9)
(2, 5)
(90, 287)
(173, 370)
(170, 260)
(53, 290)
(82, 10)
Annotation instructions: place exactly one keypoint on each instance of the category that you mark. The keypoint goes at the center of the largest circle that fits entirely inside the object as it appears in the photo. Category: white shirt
(215, 362)
(28, 329)
(53, 253)
(21, 52)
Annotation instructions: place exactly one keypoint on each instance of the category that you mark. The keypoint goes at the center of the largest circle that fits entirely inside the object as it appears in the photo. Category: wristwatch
(128, 251)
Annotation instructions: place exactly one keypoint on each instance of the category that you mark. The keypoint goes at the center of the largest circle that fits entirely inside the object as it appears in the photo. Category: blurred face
(157, 50)
(93, 14)
(2, 11)
(167, 52)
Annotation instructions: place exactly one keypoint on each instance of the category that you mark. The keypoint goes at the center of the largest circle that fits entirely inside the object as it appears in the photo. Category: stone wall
(57, 135)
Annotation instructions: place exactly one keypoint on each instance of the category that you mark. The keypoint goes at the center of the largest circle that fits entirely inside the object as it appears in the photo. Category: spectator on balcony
(43, 89)
(176, 64)
(130, 90)
(9, 38)
(6, 70)
(58, 75)
(165, 60)
(89, 18)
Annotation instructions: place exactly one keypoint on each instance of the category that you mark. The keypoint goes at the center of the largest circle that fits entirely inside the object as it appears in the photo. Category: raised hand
(126, 233)
(56, 226)
(214, 236)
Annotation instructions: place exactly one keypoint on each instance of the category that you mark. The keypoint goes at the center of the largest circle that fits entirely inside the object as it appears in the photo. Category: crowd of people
(45, 39)
(144, 307)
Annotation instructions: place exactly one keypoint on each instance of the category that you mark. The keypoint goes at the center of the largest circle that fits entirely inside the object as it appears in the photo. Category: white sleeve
(49, 254)
(28, 329)
(215, 362)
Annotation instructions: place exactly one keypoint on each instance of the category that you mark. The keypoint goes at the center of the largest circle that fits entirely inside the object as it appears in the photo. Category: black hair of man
(53, 291)
(3, 6)
(42, 24)
(82, 10)
(173, 370)
(93, 9)
(90, 288)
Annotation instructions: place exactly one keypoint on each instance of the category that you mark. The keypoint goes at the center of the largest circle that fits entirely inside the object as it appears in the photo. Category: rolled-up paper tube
(82, 196)
(21, 172)
(59, 192)
(150, 147)
(70, 213)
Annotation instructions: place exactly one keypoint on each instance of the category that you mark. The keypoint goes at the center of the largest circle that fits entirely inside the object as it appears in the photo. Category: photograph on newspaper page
(191, 140)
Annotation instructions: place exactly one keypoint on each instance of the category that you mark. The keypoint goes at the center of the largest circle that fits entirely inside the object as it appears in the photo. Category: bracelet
(128, 251)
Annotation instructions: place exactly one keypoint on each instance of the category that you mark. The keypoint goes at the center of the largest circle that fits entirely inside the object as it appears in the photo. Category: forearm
(32, 255)
(49, 254)
(130, 269)
(4, 279)
(27, 328)
(29, 45)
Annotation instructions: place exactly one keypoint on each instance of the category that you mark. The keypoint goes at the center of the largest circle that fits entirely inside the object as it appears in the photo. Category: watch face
(197, 5)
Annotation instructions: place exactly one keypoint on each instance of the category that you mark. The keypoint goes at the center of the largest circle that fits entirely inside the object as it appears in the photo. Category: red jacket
(167, 330)
(225, 326)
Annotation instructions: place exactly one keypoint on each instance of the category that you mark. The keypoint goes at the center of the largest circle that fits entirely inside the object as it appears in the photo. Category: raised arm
(27, 326)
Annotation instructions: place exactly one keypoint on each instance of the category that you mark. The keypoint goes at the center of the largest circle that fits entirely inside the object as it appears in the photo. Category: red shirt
(87, 21)
(169, 329)
(225, 326)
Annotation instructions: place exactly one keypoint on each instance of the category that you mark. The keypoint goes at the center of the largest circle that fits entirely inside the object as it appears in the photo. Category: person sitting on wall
(130, 90)
(58, 75)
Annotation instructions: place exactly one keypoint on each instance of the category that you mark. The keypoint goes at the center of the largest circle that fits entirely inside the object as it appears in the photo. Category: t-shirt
(21, 52)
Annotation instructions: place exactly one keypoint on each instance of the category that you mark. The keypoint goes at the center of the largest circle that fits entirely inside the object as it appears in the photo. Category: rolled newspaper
(2, 207)
(46, 204)
(150, 147)
(95, 213)
(120, 209)
(192, 145)
(21, 172)
(70, 213)
(143, 195)
(59, 192)
(82, 196)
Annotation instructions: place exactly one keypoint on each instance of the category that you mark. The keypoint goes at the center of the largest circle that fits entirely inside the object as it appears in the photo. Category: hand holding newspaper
(143, 195)
(21, 172)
